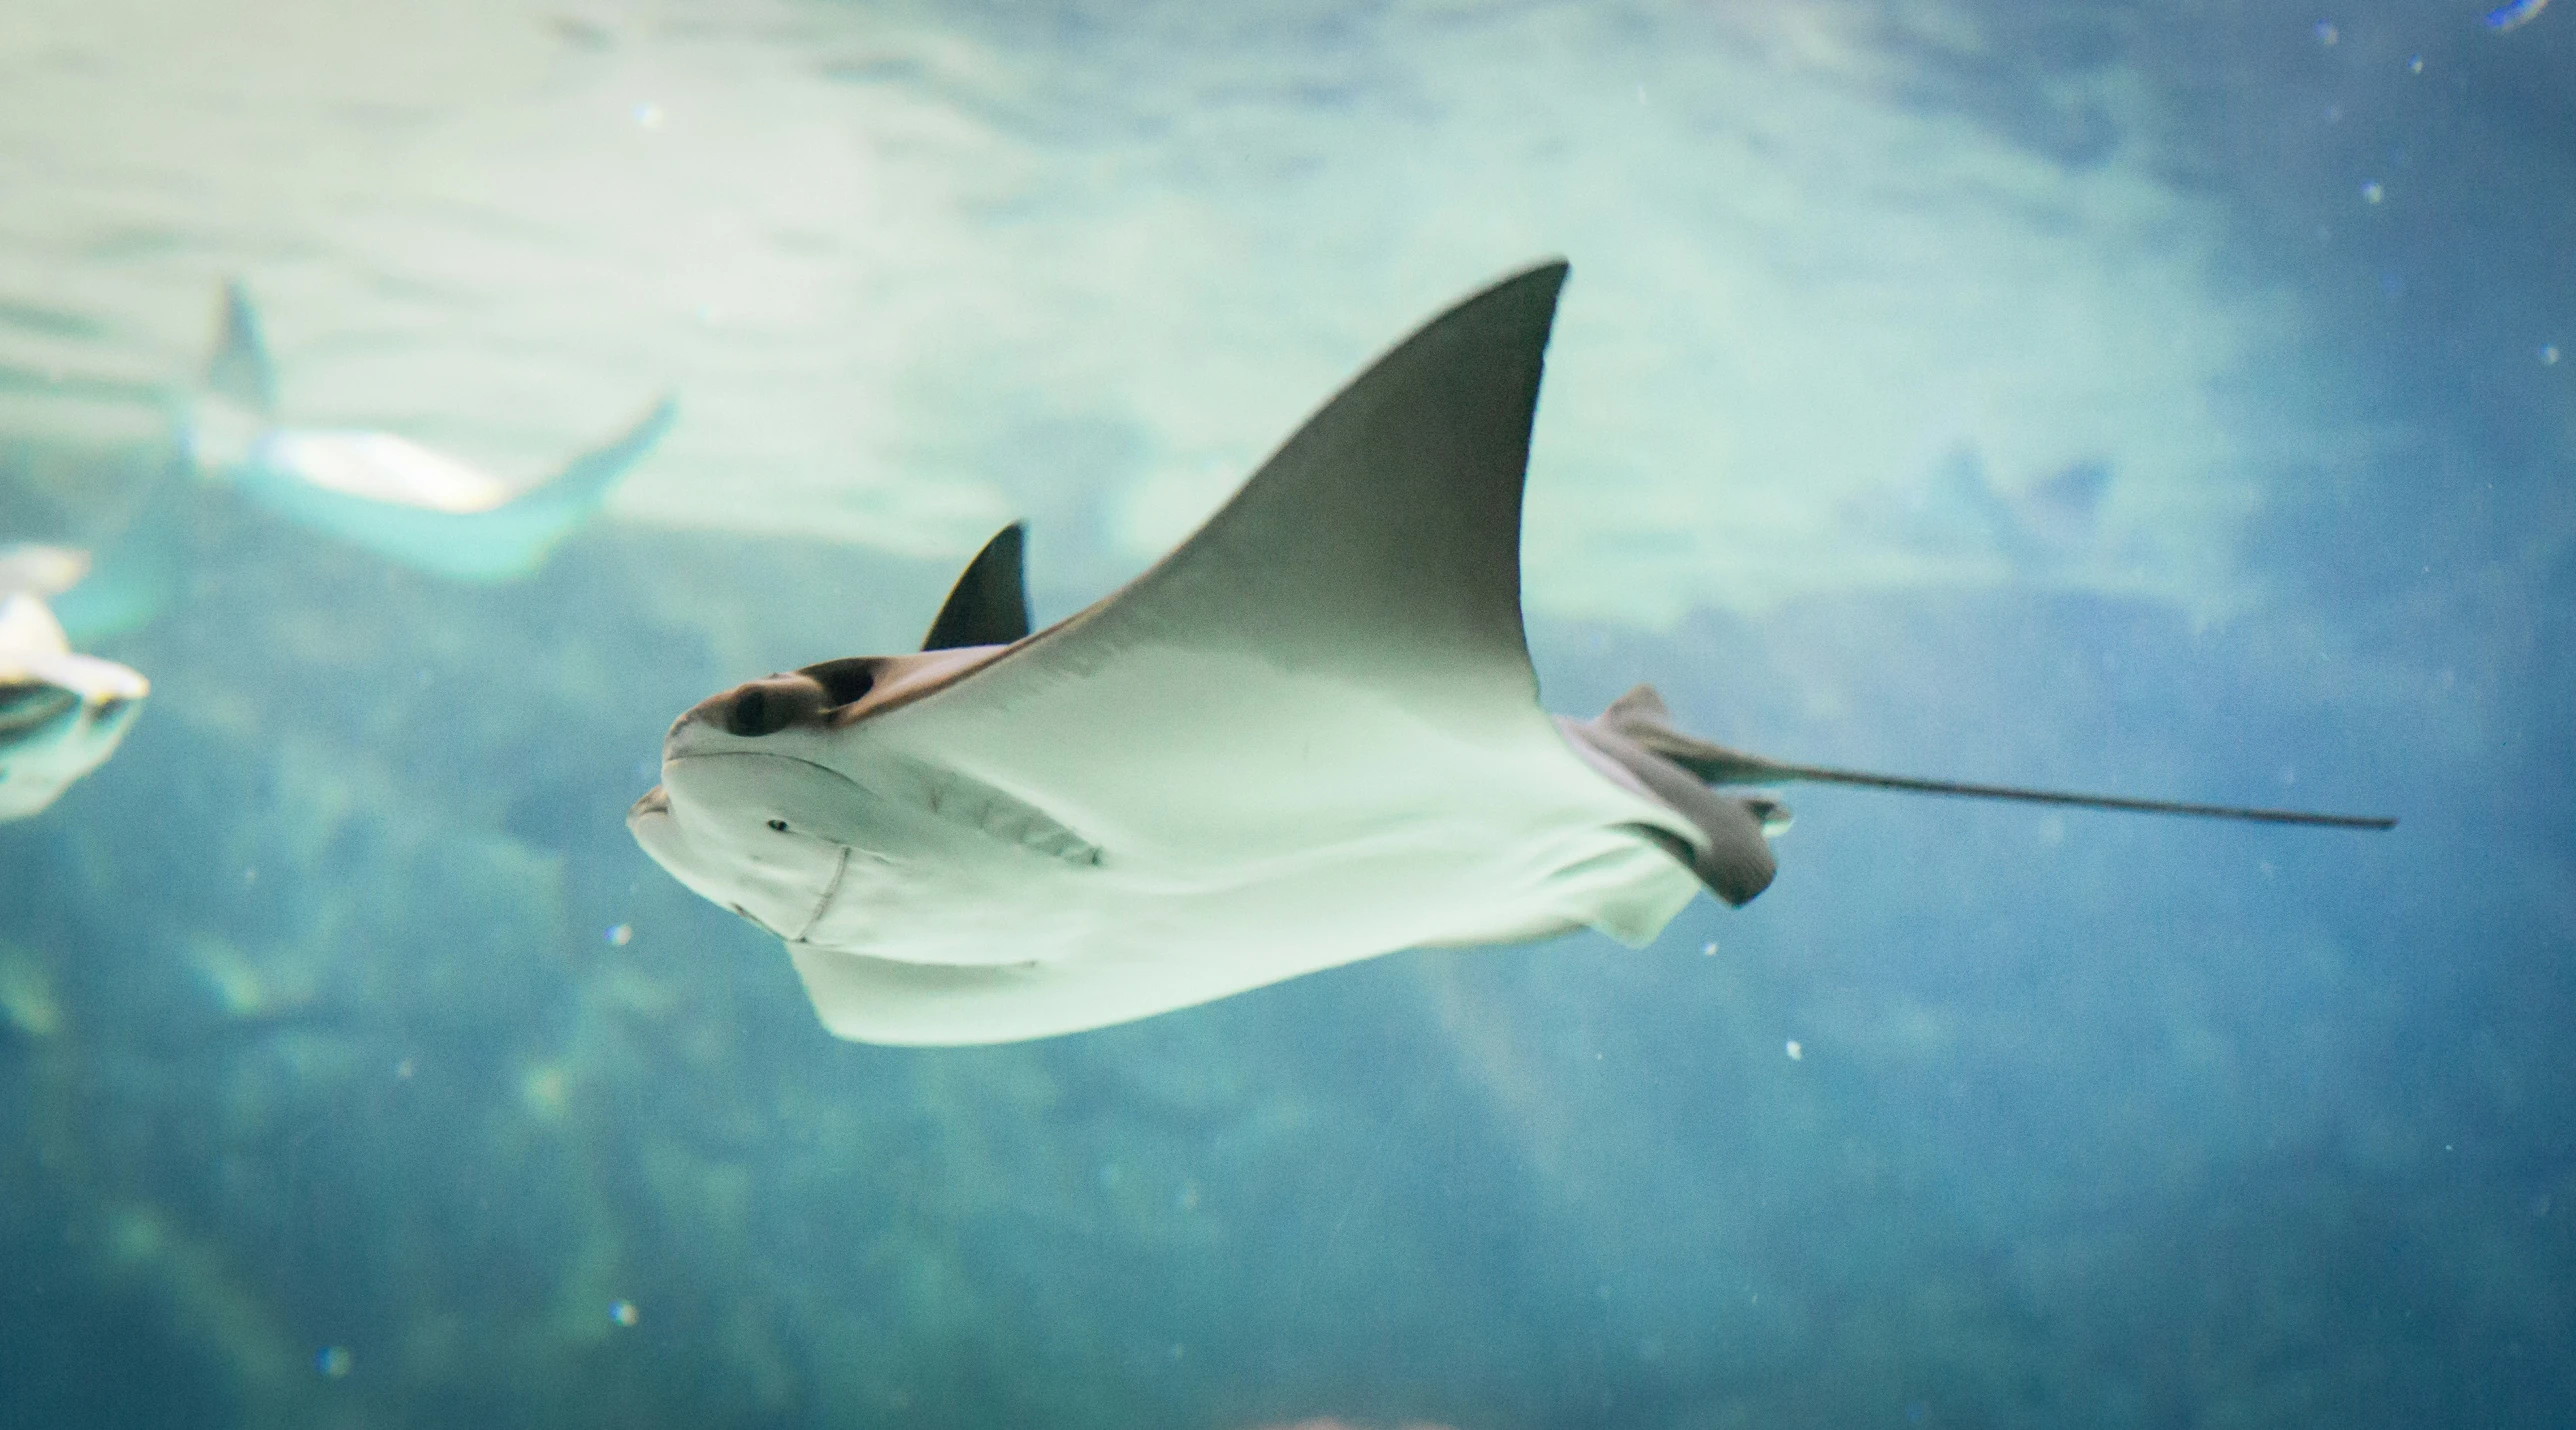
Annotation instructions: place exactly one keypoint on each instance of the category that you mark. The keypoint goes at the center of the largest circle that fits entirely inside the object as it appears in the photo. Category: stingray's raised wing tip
(1545, 277)
(239, 369)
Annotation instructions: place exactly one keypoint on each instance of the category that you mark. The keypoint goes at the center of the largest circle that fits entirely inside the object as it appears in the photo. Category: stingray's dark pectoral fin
(1734, 860)
(1737, 862)
(239, 370)
(989, 605)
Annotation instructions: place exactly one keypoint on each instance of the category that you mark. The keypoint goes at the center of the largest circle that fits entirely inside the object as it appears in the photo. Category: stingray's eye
(778, 826)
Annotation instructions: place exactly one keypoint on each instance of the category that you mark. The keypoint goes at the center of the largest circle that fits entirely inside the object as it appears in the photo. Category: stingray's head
(749, 814)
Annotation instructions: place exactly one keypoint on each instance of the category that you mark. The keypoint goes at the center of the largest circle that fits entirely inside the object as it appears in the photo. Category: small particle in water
(334, 1361)
(2515, 15)
(2372, 193)
(2327, 34)
(1708, 949)
(2549, 354)
(620, 935)
(1795, 1049)
(622, 1312)
(404, 1069)
(648, 115)
(2414, 64)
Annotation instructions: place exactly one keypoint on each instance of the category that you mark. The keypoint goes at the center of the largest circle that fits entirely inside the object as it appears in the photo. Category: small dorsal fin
(239, 371)
(1642, 716)
(1641, 703)
(989, 605)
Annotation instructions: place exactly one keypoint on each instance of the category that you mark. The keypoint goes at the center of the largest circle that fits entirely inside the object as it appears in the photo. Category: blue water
(358, 1070)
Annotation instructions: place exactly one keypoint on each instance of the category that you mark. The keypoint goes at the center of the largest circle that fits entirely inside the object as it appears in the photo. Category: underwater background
(2165, 399)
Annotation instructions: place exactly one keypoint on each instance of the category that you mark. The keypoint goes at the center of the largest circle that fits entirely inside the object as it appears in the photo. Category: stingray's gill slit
(1307, 736)
(823, 905)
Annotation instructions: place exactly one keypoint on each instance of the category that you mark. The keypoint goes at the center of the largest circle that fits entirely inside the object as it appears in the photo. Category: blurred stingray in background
(1955, 509)
(61, 714)
(422, 508)
(1308, 736)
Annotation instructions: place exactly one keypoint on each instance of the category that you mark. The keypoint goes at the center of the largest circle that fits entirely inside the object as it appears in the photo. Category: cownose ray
(389, 494)
(61, 714)
(1308, 736)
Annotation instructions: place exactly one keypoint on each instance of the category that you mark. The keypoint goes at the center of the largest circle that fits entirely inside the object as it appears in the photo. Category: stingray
(61, 714)
(389, 494)
(1308, 736)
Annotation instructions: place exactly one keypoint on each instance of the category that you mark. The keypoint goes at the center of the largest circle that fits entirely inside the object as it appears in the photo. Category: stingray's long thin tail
(1641, 716)
(1775, 771)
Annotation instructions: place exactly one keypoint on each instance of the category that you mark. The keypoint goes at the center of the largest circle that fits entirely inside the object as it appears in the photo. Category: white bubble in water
(620, 936)
(334, 1361)
(1795, 1049)
(623, 1312)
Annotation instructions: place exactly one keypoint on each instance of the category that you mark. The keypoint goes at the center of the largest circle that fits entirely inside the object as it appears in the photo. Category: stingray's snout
(764, 707)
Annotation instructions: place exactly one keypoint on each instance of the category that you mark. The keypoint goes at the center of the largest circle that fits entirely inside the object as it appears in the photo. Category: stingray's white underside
(1177, 827)
(381, 467)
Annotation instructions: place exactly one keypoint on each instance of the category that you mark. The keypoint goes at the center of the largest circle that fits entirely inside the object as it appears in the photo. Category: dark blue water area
(330, 1094)
(2117, 1119)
